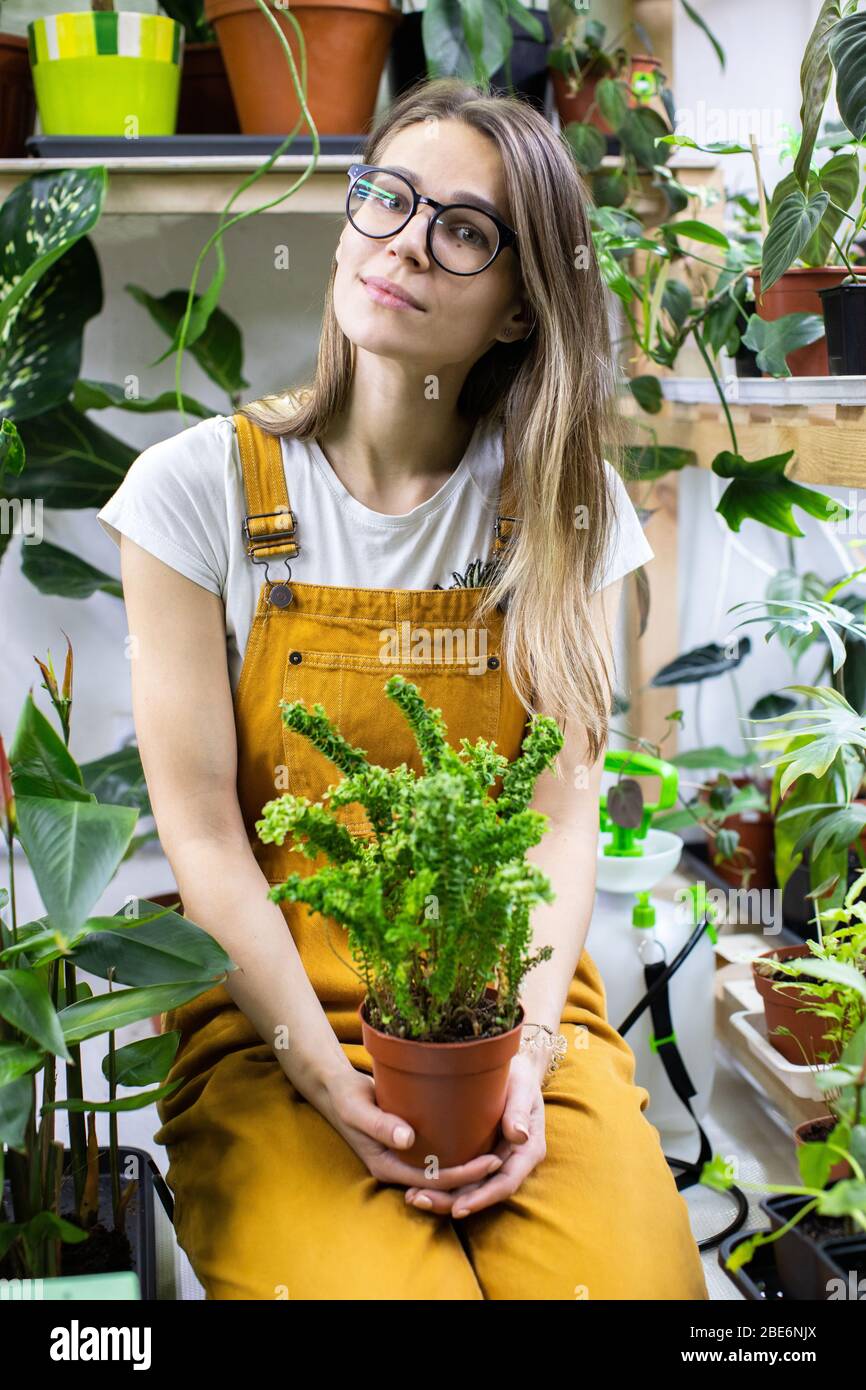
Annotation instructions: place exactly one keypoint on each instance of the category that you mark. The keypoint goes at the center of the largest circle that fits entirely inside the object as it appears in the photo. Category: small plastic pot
(780, 1007)
(845, 326)
(452, 1094)
(802, 1263)
(817, 1130)
(847, 1262)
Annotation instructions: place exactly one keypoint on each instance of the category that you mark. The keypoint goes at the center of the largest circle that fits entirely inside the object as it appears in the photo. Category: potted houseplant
(206, 105)
(436, 903)
(119, 74)
(816, 1229)
(79, 1211)
(343, 85)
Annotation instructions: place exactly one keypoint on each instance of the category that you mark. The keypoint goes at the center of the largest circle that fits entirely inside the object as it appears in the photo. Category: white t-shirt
(182, 500)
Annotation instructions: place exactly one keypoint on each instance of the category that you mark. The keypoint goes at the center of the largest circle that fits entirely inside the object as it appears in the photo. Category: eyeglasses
(462, 239)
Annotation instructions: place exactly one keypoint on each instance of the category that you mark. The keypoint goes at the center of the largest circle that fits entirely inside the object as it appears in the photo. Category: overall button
(493, 662)
(295, 657)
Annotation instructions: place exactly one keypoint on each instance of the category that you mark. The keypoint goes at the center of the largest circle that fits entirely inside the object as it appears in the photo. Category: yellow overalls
(271, 1202)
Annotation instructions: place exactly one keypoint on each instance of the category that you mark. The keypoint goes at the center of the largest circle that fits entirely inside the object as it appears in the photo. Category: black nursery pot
(847, 1260)
(407, 64)
(140, 1227)
(845, 324)
(803, 1264)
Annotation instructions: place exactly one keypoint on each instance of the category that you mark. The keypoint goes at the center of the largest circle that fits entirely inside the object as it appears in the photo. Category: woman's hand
(521, 1148)
(377, 1136)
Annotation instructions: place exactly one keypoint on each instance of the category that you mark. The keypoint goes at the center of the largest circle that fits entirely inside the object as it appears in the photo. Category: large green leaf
(773, 339)
(816, 75)
(73, 849)
(613, 101)
(652, 461)
(77, 1105)
(40, 356)
(848, 56)
(219, 349)
(53, 570)
(71, 461)
(465, 38)
(41, 763)
(759, 490)
(16, 1103)
(143, 1062)
(638, 134)
(840, 179)
(106, 1012)
(702, 663)
(26, 1004)
(163, 951)
(791, 230)
(118, 779)
(39, 221)
(18, 1059)
(100, 395)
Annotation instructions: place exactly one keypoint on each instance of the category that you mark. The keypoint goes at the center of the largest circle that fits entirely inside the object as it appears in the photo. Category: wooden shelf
(828, 439)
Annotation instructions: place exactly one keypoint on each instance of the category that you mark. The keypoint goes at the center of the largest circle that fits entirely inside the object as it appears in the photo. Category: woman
(372, 499)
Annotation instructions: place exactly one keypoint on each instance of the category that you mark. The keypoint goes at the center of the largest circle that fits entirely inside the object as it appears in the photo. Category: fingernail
(410, 1193)
(422, 1201)
(521, 1128)
(497, 1163)
(460, 1211)
(402, 1135)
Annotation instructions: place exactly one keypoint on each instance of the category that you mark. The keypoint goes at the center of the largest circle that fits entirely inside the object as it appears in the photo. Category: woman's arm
(184, 721)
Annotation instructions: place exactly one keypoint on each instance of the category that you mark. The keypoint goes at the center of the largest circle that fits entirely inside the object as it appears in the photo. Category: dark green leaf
(647, 391)
(773, 339)
(55, 571)
(702, 663)
(848, 56)
(761, 491)
(219, 350)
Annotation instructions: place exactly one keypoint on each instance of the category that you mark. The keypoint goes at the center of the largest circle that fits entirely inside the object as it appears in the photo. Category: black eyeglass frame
(507, 235)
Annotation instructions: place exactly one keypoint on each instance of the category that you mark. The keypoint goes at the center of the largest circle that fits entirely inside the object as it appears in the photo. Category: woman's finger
(393, 1168)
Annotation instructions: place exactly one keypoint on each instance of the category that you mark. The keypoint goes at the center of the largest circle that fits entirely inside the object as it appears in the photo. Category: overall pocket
(351, 690)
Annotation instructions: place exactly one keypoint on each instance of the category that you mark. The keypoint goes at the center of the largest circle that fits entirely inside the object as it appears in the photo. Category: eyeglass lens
(464, 239)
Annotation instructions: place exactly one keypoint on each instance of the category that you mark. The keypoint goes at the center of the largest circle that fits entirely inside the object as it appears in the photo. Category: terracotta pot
(17, 97)
(795, 293)
(452, 1094)
(574, 107)
(780, 1007)
(206, 105)
(346, 41)
(818, 1130)
(755, 829)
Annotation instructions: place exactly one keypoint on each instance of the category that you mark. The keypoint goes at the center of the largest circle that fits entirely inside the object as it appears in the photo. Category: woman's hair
(552, 394)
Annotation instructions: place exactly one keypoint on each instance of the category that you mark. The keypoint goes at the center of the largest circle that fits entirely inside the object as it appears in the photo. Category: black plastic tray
(758, 1281)
(195, 146)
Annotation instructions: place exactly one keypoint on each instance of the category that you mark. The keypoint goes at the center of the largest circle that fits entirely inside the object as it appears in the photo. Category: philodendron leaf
(587, 144)
(701, 663)
(625, 803)
(652, 461)
(848, 56)
(791, 229)
(773, 339)
(760, 491)
(816, 75)
(638, 134)
(613, 101)
(647, 391)
(840, 179)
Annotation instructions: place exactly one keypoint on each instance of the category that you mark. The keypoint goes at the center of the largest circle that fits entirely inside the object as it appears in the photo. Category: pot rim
(439, 1047)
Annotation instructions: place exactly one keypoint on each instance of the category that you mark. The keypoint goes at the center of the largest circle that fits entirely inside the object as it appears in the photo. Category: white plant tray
(800, 1080)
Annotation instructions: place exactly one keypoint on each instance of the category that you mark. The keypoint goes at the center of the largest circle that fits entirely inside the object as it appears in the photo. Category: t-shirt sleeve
(172, 502)
(628, 547)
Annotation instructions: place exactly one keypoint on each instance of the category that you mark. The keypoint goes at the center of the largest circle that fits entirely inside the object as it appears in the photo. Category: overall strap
(269, 523)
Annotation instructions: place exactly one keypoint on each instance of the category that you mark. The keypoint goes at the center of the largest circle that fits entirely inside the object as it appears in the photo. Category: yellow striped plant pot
(106, 73)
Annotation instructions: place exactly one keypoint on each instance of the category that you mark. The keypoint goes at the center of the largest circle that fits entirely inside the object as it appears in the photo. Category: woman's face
(461, 316)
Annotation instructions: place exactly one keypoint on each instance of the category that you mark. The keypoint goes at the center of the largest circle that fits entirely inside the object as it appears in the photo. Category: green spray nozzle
(630, 764)
(643, 914)
(703, 908)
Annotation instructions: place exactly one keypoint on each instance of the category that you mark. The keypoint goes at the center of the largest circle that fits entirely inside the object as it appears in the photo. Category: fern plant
(437, 897)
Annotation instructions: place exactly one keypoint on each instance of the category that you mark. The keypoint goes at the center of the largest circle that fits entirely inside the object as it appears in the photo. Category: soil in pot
(451, 1093)
(781, 1009)
(817, 1131)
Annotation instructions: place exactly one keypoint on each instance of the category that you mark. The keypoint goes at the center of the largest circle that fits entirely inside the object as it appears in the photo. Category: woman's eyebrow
(457, 196)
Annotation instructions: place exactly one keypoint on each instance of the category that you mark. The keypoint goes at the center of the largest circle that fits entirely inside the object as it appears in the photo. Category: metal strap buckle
(497, 529)
(262, 540)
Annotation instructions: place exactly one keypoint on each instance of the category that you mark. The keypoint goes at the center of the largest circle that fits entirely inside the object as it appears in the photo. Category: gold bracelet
(543, 1036)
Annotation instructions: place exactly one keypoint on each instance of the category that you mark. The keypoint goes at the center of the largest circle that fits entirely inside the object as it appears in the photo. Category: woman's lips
(390, 301)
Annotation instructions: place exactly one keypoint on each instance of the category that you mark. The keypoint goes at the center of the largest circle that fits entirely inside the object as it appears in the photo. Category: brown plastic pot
(755, 829)
(780, 1007)
(818, 1131)
(796, 292)
(206, 105)
(452, 1094)
(346, 42)
(17, 97)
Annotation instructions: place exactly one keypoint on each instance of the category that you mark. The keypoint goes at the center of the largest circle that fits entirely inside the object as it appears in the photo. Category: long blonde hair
(553, 394)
